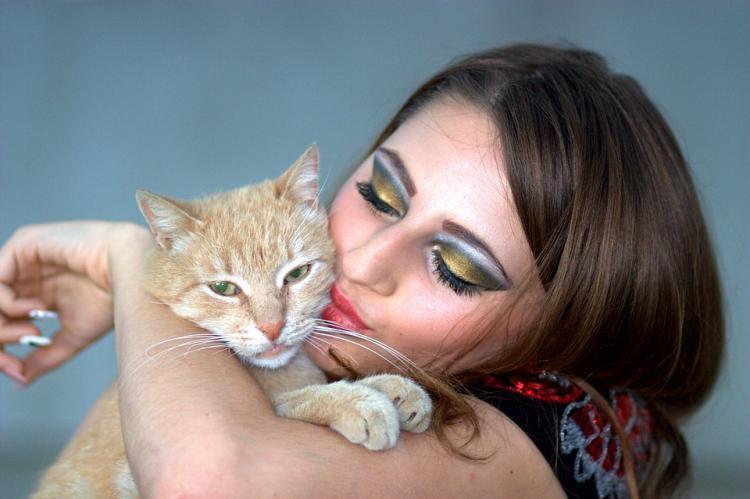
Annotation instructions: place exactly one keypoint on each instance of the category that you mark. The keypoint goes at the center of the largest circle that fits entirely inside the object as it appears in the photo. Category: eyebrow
(469, 237)
(398, 166)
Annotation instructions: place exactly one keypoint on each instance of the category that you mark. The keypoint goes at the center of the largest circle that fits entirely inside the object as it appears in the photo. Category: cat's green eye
(224, 288)
(297, 274)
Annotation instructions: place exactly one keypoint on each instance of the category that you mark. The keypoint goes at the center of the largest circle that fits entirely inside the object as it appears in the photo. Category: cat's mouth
(253, 348)
(272, 352)
(272, 357)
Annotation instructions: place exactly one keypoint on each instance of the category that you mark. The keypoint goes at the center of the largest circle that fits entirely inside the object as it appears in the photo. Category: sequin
(547, 387)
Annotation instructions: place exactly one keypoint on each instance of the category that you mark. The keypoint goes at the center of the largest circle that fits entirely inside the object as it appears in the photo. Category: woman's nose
(376, 262)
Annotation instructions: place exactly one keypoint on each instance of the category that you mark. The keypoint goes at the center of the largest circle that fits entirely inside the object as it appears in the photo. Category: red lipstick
(342, 312)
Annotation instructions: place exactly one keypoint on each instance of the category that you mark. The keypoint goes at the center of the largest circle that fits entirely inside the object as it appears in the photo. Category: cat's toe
(411, 400)
(372, 421)
(415, 410)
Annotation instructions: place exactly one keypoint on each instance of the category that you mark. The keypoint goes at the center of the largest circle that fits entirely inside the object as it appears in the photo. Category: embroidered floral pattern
(585, 431)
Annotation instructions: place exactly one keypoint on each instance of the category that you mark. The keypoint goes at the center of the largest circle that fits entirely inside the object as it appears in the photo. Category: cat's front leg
(362, 414)
(411, 400)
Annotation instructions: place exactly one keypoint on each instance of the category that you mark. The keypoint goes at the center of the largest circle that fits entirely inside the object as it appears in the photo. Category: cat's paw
(411, 400)
(367, 417)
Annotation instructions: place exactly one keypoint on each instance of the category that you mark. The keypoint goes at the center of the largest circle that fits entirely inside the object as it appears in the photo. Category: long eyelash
(368, 193)
(444, 275)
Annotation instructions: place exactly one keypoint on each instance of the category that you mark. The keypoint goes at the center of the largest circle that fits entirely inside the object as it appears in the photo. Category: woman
(525, 225)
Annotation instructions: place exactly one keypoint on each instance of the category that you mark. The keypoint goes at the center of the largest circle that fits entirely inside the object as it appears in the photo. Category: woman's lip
(343, 312)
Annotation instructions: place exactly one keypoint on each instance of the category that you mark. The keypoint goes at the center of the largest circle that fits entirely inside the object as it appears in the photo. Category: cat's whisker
(322, 186)
(177, 338)
(204, 343)
(212, 340)
(205, 347)
(299, 332)
(191, 335)
(188, 344)
(304, 329)
(315, 345)
(332, 327)
(395, 353)
(349, 358)
(347, 340)
(374, 352)
(336, 329)
(318, 341)
(129, 372)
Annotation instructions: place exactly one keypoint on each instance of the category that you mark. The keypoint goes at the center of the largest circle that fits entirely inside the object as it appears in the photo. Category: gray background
(100, 98)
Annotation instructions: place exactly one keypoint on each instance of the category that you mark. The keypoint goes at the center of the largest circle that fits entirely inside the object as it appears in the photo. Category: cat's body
(252, 267)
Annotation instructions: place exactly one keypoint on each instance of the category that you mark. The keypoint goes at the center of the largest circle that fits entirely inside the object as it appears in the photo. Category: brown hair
(613, 221)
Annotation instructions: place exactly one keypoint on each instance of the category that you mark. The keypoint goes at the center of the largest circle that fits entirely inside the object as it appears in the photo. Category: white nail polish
(42, 314)
(31, 340)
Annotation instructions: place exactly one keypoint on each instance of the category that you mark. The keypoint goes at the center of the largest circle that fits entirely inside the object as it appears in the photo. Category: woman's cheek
(350, 221)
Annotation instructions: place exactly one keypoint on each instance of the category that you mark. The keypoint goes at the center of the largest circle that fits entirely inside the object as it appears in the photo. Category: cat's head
(253, 265)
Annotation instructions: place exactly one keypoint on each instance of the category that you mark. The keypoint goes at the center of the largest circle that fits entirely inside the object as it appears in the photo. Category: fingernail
(32, 340)
(42, 314)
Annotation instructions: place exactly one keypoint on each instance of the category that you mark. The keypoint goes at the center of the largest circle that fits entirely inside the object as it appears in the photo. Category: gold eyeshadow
(387, 188)
(466, 269)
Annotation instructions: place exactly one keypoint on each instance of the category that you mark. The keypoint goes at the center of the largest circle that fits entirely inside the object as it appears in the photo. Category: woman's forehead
(448, 141)
(458, 133)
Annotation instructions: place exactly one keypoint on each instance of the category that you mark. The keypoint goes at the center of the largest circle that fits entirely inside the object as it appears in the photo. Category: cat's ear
(300, 182)
(169, 220)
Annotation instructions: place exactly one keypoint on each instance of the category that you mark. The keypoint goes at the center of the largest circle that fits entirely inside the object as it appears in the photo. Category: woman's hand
(62, 267)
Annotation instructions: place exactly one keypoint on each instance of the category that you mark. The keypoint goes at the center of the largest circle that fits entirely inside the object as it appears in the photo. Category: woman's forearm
(174, 406)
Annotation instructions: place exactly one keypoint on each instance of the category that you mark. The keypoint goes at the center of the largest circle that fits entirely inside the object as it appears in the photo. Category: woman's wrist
(127, 244)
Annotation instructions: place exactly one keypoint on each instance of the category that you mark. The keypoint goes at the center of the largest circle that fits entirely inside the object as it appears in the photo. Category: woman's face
(429, 248)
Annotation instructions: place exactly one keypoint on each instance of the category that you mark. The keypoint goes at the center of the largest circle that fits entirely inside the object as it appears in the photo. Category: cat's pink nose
(272, 331)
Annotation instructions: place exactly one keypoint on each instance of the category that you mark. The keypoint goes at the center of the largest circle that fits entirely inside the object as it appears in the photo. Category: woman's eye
(368, 194)
(297, 274)
(445, 276)
(224, 288)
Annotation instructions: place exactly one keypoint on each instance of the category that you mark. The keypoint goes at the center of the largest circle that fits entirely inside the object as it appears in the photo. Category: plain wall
(98, 99)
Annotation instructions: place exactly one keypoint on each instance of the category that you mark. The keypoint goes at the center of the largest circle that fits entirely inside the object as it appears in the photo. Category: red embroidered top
(572, 433)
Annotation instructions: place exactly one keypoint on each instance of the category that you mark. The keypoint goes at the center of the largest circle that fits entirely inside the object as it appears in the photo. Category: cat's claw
(410, 400)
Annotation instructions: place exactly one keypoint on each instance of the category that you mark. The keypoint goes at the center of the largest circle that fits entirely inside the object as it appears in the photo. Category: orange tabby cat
(252, 267)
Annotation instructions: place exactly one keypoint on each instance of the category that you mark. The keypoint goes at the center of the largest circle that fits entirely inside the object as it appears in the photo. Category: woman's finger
(13, 368)
(11, 332)
(45, 359)
(14, 307)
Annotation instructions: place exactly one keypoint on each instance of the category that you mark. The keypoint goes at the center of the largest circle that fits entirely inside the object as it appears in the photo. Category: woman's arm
(177, 409)
(199, 426)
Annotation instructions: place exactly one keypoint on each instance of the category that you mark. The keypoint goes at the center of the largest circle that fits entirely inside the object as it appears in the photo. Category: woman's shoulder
(503, 460)
(570, 429)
